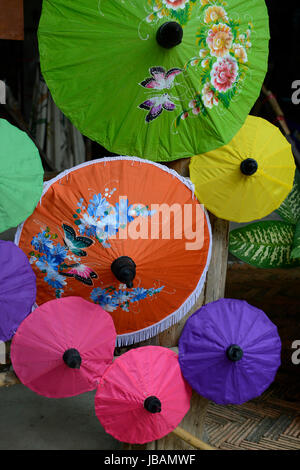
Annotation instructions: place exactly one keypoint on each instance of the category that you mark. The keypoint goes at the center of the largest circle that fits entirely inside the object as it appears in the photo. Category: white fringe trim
(146, 333)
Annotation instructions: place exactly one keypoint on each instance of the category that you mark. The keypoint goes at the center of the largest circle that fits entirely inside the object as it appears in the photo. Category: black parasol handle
(72, 358)
(124, 268)
(234, 353)
(249, 166)
(169, 34)
(152, 404)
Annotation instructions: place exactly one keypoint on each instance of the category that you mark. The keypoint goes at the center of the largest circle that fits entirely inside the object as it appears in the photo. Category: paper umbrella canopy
(21, 176)
(142, 396)
(229, 351)
(18, 288)
(248, 178)
(63, 347)
(125, 233)
(159, 79)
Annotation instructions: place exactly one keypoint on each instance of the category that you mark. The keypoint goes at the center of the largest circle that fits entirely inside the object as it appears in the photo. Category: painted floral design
(175, 4)
(176, 10)
(102, 220)
(111, 298)
(222, 60)
(224, 73)
(97, 221)
(219, 40)
(240, 52)
(48, 257)
(209, 96)
(215, 13)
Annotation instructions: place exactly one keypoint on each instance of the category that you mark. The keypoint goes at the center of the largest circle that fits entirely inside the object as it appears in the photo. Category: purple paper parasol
(229, 351)
(18, 288)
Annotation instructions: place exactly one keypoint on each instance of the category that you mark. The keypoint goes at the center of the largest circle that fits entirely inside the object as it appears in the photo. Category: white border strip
(146, 333)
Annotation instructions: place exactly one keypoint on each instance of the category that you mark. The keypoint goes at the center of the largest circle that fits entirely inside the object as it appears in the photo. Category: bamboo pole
(191, 440)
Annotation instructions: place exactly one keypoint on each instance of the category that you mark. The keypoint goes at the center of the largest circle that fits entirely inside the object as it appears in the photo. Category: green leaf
(226, 98)
(296, 243)
(182, 16)
(266, 244)
(32, 253)
(178, 120)
(290, 208)
(201, 37)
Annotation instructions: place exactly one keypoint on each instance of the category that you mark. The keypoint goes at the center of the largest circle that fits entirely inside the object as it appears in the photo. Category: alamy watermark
(154, 222)
(296, 94)
(2, 92)
(2, 353)
(296, 354)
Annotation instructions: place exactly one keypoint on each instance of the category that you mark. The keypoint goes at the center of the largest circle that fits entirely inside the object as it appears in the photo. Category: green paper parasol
(21, 176)
(159, 79)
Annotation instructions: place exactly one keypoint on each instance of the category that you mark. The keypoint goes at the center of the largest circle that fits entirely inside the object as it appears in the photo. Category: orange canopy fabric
(98, 211)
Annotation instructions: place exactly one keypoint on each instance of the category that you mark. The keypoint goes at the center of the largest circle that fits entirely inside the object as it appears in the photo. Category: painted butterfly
(156, 105)
(160, 78)
(75, 244)
(81, 272)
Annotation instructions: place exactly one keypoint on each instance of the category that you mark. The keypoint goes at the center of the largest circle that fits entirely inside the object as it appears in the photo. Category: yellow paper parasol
(248, 178)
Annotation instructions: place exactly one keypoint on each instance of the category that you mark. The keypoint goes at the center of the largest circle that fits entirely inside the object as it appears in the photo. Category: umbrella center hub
(152, 404)
(169, 34)
(249, 166)
(72, 358)
(124, 269)
(234, 353)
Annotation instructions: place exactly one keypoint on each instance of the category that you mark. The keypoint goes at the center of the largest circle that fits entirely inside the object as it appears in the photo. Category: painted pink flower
(175, 4)
(224, 73)
(195, 107)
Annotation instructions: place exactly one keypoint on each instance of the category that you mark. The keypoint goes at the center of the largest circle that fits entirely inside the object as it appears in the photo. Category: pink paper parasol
(142, 396)
(63, 347)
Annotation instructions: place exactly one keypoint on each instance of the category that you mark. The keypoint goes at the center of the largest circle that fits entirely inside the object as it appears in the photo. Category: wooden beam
(11, 19)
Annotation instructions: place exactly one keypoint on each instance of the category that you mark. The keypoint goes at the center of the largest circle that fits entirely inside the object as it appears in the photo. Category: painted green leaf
(296, 243)
(181, 15)
(266, 244)
(290, 208)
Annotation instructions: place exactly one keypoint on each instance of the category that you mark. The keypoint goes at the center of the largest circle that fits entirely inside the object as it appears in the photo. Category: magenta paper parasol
(63, 347)
(142, 396)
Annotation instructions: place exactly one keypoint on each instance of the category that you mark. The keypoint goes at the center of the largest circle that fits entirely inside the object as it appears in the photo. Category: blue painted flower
(101, 297)
(139, 293)
(121, 296)
(98, 206)
(58, 253)
(42, 242)
(80, 203)
(57, 280)
(88, 225)
(123, 213)
(47, 263)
